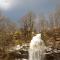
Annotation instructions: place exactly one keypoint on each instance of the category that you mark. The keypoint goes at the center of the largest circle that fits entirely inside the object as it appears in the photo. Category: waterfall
(37, 48)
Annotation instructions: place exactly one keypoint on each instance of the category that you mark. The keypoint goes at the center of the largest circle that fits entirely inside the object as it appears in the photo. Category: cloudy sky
(15, 9)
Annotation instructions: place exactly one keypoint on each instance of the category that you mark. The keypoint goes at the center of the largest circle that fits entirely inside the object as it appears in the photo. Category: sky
(15, 9)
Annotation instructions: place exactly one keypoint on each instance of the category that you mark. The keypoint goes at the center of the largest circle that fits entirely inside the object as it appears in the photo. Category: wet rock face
(52, 56)
(21, 53)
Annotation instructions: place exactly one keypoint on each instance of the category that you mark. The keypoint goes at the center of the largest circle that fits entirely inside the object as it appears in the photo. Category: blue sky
(15, 9)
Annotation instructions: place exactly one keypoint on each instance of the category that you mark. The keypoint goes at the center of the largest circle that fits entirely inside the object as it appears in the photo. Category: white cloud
(11, 4)
(6, 4)
(55, 2)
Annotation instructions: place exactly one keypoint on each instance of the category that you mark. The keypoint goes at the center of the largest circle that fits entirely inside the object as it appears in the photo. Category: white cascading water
(37, 48)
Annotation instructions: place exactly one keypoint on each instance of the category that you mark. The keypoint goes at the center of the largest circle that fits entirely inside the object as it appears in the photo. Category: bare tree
(6, 28)
(28, 25)
(43, 23)
(54, 19)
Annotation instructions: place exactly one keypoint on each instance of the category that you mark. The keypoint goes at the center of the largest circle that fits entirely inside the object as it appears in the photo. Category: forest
(21, 32)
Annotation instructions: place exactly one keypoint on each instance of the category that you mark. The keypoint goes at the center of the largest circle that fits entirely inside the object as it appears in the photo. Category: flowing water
(37, 48)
